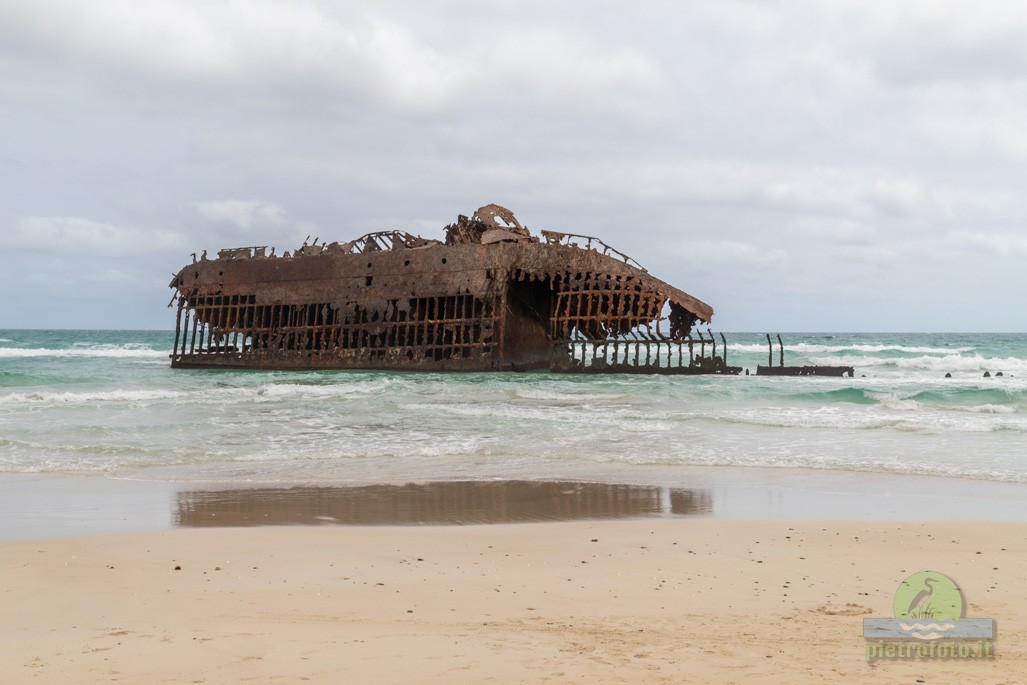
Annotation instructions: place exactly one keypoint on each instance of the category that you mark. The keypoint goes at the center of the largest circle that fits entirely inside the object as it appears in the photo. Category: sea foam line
(120, 352)
(84, 397)
(950, 363)
(867, 349)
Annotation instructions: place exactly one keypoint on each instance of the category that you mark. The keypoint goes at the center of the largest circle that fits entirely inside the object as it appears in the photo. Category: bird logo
(928, 607)
(929, 603)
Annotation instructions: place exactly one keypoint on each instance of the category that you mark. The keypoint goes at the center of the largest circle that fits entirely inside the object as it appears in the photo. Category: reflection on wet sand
(460, 502)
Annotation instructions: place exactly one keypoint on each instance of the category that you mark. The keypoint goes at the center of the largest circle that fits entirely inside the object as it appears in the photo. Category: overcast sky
(800, 166)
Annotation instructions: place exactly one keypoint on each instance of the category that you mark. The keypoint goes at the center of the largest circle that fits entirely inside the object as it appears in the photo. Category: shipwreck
(491, 297)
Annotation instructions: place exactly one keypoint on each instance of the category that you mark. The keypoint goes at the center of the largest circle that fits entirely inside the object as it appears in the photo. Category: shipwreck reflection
(444, 502)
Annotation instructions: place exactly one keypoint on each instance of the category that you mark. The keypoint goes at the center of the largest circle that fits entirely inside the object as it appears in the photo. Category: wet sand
(682, 599)
(38, 506)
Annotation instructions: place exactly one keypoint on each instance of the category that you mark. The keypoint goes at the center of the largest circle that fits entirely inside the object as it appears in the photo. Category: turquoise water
(106, 402)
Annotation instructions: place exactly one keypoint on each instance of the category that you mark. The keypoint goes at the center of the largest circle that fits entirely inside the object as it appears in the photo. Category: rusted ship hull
(493, 298)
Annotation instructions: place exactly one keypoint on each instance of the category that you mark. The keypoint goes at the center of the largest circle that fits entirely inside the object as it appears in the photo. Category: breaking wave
(112, 351)
(108, 402)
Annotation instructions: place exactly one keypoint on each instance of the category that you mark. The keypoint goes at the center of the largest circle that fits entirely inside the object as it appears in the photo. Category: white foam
(988, 409)
(877, 349)
(77, 352)
(949, 363)
(89, 397)
(812, 348)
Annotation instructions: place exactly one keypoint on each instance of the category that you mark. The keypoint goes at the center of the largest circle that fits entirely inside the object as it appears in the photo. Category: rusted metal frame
(311, 328)
(215, 320)
(294, 327)
(324, 333)
(229, 320)
(438, 326)
(234, 325)
(233, 320)
(346, 327)
(255, 320)
(274, 338)
(500, 325)
(339, 329)
(246, 324)
(421, 333)
(558, 347)
(204, 310)
(248, 314)
(458, 325)
(222, 324)
(291, 316)
(391, 325)
(213, 316)
(450, 323)
(557, 238)
(410, 325)
(211, 319)
(584, 319)
(266, 327)
(226, 312)
(577, 318)
(306, 328)
(333, 329)
(178, 322)
(225, 320)
(305, 332)
(464, 311)
(420, 314)
(284, 319)
(243, 324)
(192, 339)
(187, 322)
(401, 326)
(466, 327)
(441, 325)
(317, 328)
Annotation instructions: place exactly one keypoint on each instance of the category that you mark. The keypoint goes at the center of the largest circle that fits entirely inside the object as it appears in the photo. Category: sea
(107, 403)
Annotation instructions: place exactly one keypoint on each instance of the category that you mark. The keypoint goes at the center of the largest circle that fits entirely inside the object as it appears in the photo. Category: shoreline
(744, 576)
(642, 600)
(35, 506)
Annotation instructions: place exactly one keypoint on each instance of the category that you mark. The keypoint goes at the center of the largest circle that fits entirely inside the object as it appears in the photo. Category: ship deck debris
(782, 370)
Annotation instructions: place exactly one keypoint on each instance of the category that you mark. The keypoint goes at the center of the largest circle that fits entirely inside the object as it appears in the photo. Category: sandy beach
(657, 600)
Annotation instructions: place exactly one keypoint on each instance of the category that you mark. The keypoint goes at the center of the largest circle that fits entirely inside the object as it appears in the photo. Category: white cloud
(993, 244)
(290, 55)
(720, 253)
(254, 220)
(81, 236)
(243, 214)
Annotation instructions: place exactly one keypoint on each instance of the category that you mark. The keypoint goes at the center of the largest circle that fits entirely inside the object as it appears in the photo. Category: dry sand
(687, 600)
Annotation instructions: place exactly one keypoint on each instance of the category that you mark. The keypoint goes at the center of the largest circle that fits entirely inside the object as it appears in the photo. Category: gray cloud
(798, 165)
